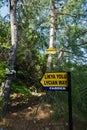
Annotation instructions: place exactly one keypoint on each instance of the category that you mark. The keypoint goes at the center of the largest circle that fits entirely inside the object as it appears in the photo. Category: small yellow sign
(57, 79)
(51, 51)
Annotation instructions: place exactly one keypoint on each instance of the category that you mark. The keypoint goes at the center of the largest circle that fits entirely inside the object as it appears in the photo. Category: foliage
(80, 90)
(25, 92)
(2, 71)
(1, 101)
(33, 32)
(4, 39)
(58, 99)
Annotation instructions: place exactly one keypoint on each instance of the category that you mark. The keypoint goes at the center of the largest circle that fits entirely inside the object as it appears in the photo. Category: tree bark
(60, 56)
(52, 31)
(12, 55)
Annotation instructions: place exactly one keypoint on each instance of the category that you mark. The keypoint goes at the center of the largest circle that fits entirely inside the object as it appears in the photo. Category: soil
(30, 114)
(33, 113)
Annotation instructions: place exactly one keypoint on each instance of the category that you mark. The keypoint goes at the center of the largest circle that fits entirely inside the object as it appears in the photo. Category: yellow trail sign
(60, 81)
(57, 79)
(50, 51)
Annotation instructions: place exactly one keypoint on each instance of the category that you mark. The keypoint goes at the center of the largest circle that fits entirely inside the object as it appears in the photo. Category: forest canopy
(70, 42)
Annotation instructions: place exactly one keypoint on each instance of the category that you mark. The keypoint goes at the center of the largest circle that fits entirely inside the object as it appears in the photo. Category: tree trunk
(12, 55)
(52, 30)
(51, 43)
(60, 57)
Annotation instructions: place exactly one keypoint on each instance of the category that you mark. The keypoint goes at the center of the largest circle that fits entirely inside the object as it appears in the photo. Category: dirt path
(34, 113)
(29, 114)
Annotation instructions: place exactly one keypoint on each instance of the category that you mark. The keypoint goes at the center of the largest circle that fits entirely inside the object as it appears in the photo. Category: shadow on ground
(34, 113)
(30, 114)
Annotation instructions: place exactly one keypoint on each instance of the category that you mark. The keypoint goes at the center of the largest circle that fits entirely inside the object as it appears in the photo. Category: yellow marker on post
(51, 51)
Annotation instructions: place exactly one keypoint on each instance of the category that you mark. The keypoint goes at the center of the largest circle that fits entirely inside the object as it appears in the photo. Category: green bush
(2, 71)
(20, 89)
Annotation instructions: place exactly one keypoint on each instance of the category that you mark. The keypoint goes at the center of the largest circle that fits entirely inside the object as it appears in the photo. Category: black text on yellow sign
(57, 79)
(60, 81)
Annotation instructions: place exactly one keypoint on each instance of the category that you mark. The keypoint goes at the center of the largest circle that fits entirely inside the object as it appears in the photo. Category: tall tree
(52, 32)
(12, 55)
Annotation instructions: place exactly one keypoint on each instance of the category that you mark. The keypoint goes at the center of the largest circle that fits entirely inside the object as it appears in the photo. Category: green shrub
(21, 89)
(2, 71)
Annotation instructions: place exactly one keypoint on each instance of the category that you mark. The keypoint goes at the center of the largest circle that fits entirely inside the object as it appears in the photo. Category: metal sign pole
(59, 81)
(70, 103)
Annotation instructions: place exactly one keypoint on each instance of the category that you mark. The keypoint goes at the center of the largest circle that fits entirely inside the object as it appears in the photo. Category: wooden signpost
(59, 81)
